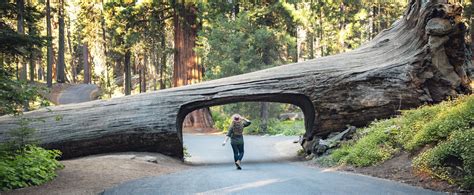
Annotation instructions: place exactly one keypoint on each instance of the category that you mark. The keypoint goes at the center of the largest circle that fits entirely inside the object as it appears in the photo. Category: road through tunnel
(196, 144)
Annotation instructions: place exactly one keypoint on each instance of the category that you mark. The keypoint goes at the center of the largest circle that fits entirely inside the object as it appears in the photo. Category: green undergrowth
(29, 166)
(440, 135)
(274, 127)
(24, 164)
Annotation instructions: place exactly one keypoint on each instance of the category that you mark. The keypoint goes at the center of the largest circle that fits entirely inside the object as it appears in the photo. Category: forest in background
(130, 47)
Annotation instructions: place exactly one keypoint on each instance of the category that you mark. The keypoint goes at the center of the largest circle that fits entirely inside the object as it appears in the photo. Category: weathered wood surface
(421, 58)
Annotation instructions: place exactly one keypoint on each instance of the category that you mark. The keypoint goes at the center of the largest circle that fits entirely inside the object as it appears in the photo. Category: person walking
(237, 139)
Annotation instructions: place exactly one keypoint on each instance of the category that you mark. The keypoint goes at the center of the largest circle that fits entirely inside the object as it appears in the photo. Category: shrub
(372, 148)
(286, 127)
(29, 166)
(23, 164)
(438, 124)
(276, 127)
(221, 121)
(254, 128)
(452, 160)
(446, 127)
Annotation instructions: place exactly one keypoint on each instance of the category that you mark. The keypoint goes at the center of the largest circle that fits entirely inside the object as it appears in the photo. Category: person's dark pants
(238, 151)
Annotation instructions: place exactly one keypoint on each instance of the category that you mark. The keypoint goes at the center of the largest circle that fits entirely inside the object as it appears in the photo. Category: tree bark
(32, 54)
(104, 45)
(128, 73)
(21, 30)
(163, 62)
(49, 56)
(186, 68)
(418, 60)
(321, 28)
(32, 66)
(154, 64)
(264, 116)
(60, 65)
(40, 72)
(21, 66)
(144, 73)
(71, 52)
(85, 63)
(311, 45)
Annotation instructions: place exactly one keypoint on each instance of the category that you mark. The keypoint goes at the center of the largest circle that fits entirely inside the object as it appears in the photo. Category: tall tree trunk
(71, 52)
(128, 74)
(321, 31)
(60, 65)
(86, 66)
(49, 57)
(264, 116)
(40, 70)
(32, 66)
(154, 64)
(299, 39)
(163, 61)
(342, 24)
(311, 45)
(22, 61)
(140, 77)
(144, 72)
(104, 45)
(32, 55)
(311, 32)
(21, 30)
(186, 68)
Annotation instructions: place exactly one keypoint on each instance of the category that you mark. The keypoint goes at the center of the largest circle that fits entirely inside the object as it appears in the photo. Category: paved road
(268, 168)
(77, 94)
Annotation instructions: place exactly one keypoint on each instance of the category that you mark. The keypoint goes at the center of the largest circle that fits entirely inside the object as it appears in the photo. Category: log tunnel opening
(299, 100)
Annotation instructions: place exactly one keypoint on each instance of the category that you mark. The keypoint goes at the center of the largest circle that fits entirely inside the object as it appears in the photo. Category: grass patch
(374, 146)
(447, 127)
(452, 160)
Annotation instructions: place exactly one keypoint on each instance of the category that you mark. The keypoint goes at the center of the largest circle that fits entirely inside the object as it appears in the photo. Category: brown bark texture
(21, 30)
(421, 59)
(61, 77)
(127, 72)
(186, 67)
(85, 63)
(49, 57)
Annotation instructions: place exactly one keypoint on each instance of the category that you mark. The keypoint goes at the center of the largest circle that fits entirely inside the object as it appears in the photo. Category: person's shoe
(238, 165)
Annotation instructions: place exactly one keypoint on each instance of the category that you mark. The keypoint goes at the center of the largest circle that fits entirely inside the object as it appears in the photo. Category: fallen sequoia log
(421, 59)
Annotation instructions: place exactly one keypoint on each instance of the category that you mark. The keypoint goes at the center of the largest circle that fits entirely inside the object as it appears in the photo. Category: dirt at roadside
(399, 169)
(93, 174)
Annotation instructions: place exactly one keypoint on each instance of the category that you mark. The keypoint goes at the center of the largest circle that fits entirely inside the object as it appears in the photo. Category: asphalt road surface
(77, 94)
(269, 167)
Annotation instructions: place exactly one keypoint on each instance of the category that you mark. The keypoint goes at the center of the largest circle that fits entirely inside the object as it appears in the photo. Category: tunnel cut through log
(303, 102)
